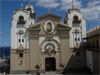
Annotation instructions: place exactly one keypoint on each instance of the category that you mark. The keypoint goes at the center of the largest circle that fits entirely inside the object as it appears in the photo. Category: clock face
(49, 27)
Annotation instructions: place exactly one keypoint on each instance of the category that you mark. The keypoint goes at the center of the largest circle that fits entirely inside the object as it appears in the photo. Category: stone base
(27, 72)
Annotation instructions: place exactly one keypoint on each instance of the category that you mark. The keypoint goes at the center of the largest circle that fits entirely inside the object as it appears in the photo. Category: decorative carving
(49, 49)
(20, 32)
(49, 27)
(49, 39)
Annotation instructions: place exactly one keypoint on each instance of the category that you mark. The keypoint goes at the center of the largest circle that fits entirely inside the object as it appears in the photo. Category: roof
(74, 9)
(94, 32)
(20, 9)
(62, 24)
(47, 15)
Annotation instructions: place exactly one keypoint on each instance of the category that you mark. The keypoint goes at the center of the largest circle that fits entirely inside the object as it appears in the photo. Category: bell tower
(21, 20)
(75, 20)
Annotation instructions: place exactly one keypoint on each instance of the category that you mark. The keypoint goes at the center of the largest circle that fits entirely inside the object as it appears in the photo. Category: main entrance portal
(50, 64)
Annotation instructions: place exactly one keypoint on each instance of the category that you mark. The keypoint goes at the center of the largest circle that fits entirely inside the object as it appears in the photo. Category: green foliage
(61, 65)
(37, 67)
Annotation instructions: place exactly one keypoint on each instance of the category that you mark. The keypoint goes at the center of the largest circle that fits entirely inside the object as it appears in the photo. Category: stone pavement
(51, 73)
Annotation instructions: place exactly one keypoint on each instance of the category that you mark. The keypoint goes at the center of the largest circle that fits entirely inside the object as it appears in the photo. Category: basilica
(48, 44)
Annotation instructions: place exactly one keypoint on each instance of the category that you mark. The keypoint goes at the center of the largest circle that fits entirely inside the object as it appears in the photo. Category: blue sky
(90, 9)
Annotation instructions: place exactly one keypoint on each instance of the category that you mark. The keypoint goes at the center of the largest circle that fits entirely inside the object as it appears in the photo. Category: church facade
(44, 44)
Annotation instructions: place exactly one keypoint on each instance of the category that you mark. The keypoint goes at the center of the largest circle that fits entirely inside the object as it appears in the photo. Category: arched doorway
(50, 64)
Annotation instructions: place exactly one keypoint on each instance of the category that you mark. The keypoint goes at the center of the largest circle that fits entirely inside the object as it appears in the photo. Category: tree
(61, 66)
(37, 67)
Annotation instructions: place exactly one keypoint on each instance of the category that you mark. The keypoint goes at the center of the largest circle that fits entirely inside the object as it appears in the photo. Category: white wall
(16, 27)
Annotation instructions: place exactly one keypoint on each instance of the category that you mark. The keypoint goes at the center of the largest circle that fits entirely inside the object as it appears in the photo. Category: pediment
(58, 26)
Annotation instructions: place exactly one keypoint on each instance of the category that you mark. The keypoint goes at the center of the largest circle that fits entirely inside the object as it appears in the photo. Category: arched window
(29, 9)
(21, 20)
(75, 19)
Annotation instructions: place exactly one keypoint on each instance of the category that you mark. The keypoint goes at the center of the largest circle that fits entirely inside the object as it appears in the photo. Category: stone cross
(73, 4)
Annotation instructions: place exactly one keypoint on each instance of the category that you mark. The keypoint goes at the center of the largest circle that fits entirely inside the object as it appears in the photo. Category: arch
(75, 19)
(29, 9)
(21, 20)
(52, 41)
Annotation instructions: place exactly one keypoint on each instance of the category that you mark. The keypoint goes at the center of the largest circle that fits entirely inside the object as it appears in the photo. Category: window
(97, 43)
(89, 44)
(78, 39)
(77, 53)
(75, 39)
(21, 20)
(22, 40)
(19, 40)
(75, 19)
(29, 9)
(93, 44)
(20, 54)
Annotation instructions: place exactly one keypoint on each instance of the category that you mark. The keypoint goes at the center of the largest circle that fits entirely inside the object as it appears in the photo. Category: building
(4, 52)
(93, 50)
(45, 43)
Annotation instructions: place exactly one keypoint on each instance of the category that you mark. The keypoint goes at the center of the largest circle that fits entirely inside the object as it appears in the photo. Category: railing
(76, 24)
(19, 22)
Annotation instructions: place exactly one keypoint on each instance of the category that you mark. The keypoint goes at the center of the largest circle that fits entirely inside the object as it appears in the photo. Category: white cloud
(92, 12)
(93, 4)
(47, 3)
(66, 4)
